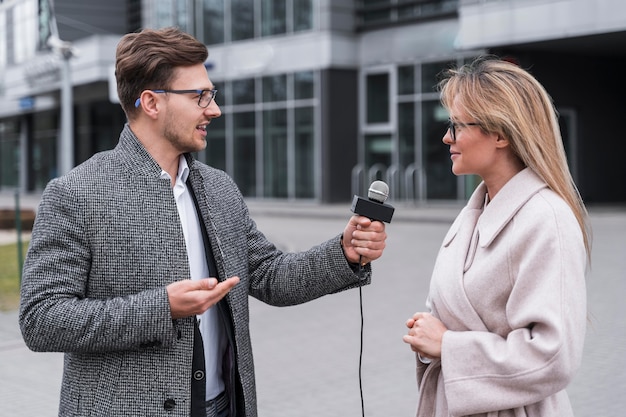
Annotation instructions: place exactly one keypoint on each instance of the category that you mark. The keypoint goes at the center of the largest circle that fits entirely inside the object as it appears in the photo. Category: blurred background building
(319, 97)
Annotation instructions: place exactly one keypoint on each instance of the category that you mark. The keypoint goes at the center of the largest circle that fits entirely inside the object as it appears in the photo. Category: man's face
(185, 122)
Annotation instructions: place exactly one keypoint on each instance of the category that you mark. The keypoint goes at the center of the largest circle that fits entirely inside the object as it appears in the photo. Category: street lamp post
(65, 149)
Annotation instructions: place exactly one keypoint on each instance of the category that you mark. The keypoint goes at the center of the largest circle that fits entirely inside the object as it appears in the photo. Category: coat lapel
(516, 192)
(448, 299)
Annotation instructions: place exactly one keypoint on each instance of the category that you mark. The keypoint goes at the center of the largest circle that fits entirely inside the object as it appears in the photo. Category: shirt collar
(183, 170)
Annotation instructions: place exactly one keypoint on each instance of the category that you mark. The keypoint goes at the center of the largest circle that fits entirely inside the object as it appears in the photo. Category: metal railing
(405, 184)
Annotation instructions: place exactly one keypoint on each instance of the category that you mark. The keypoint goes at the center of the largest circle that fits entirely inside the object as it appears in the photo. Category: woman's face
(474, 151)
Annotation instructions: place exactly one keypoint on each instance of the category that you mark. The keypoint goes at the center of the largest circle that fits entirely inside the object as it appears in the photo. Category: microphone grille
(379, 191)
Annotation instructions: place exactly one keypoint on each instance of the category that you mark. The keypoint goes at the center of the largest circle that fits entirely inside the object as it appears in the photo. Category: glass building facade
(265, 138)
(268, 137)
(224, 21)
(319, 98)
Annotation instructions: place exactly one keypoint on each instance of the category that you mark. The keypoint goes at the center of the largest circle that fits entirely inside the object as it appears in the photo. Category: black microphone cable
(360, 272)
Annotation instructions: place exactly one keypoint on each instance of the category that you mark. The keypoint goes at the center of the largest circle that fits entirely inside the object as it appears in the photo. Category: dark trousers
(218, 407)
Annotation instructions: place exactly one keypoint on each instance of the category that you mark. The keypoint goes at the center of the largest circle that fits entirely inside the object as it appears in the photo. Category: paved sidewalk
(307, 356)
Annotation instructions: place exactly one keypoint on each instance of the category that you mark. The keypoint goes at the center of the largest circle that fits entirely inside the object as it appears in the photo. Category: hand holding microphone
(364, 236)
(374, 207)
(368, 239)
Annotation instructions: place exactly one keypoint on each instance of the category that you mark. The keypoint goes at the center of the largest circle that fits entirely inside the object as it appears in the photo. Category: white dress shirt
(209, 322)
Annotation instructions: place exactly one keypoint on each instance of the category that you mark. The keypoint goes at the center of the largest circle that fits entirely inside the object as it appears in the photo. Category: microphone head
(378, 191)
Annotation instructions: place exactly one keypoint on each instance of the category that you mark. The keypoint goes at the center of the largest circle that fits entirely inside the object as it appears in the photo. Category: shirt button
(198, 375)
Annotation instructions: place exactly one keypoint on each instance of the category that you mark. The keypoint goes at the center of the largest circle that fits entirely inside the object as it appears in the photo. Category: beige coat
(509, 283)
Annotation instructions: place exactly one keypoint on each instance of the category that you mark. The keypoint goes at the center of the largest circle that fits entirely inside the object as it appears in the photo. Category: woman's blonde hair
(505, 99)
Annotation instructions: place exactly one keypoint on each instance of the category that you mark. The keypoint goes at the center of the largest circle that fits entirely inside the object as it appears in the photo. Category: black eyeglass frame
(201, 93)
(452, 126)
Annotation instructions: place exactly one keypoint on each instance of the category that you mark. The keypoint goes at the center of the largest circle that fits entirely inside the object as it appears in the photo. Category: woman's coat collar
(497, 214)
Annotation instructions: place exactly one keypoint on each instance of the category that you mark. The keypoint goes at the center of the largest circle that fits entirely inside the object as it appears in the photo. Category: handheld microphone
(374, 207)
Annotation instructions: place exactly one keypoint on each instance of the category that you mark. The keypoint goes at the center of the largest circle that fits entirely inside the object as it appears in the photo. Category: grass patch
(9, 276)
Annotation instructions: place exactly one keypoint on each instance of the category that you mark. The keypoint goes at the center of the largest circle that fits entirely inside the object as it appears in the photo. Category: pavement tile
(307, 357)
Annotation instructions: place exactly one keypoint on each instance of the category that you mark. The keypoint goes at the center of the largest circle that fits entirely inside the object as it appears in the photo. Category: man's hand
(188, 298)
(363, 240)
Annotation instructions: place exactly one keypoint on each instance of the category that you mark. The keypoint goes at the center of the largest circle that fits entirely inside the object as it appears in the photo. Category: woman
(507, 303)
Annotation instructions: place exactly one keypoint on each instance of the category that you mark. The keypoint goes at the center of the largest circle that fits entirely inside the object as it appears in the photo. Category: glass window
(406, 80)
(407, 156)
(275, 169)
(273, 151)
(304, 85)
(44, 150)
(45, 27)
(25, 31)
(163, 13)
(243, 91)
(377, 16)
(213, 18)
(96, 128)
(246, 19)
(183, 16)
(106, 118)
(222, 93)
(368, 3)
(244, 150)
(426, 9)
(9, 152)
(9, 162)
(377, 90)
(302, 15)
(275, 88)
(440, 182)
(406, 133)
(305, 157)
(375, 11)
(3, 43)
(430, 75)
(405, 12)
(273, 17)
(242, 19)
(378, 152)
(216, 144)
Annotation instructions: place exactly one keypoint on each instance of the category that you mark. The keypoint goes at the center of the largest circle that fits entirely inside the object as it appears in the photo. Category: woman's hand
(425, 335)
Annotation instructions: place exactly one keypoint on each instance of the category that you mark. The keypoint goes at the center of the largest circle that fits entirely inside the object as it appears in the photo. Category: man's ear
(149, 104)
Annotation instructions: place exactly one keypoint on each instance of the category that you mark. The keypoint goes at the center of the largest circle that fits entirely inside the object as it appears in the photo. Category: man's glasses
(453, 126)
(204, 96)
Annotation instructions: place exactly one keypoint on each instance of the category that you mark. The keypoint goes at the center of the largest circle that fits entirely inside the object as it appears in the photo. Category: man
(117, 271)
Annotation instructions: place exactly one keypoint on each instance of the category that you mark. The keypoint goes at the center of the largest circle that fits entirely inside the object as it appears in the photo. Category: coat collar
(137, 159)
(499, 212)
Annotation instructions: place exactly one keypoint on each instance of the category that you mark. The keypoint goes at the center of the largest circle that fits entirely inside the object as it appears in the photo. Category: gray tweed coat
(107, 240)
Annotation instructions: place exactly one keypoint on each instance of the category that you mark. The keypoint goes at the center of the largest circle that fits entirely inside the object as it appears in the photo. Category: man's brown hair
(147, 60)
